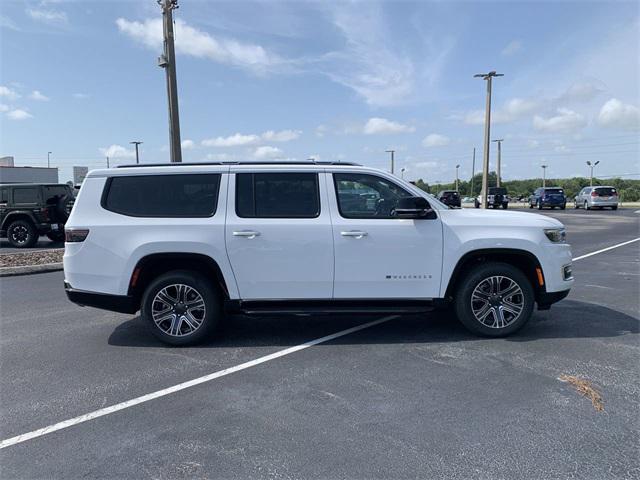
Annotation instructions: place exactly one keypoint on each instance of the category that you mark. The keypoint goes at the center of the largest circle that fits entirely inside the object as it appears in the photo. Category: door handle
(246, 233)
(354, 233)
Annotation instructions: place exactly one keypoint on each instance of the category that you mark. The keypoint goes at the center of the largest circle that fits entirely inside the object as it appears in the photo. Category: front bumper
(104, 301)
(546, 299)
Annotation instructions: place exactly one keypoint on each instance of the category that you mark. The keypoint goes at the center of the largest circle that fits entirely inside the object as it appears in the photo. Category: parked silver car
(597, 197)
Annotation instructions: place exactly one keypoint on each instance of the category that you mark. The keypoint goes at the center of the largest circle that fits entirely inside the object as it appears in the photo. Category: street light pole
(591, 165)
(544, 175)
(136, 144)
(487, 121)
(473, 170)
(49, 159)
(499, 142)
(402, 173)
(457, 167)
(392, 152)
(108, 162)
(168, 61)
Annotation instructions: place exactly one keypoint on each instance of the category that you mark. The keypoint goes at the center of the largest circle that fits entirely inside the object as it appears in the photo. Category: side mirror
(413, 207)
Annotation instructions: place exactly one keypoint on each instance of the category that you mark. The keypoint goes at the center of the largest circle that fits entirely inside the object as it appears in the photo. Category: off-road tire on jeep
(165, 308)
(63, 207)
(22, 234)
(473, 288)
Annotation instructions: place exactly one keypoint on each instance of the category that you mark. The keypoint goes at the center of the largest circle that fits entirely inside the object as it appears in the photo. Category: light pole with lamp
(544, 175)
(591, 165)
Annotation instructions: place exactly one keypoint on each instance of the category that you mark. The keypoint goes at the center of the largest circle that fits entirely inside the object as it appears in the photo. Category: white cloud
(219, 157)
(52, 17)
(616, 114)
(19, 114)
(321, 131)
(236, 140)
(187, 144)
(37, 95)
(580, 92)
(4, 108)
(281, 136)
(382, 126)
(435, 140)
(194, 42)
(8, 93)
(513, 47)
(81, 96)
(514, 109)
(267, 151)
(117, 151)
(565, 121)
(6, 22)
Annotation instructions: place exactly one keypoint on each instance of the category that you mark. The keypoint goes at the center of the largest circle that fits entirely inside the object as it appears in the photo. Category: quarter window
(25, 195)
(277, 195)
(366, 196)
(188, 195)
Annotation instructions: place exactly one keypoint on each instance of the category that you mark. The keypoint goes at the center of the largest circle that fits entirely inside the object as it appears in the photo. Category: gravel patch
(31, 258)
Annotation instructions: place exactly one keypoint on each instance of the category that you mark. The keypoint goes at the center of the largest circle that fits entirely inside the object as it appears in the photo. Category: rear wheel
(22, 234)
(539, 204)
(505, 206)
(494, 299)
(181, 308)
(615, 207)
(563, 206)
(586, 206)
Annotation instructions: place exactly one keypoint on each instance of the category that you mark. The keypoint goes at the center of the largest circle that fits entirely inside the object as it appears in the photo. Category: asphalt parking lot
(411, 397)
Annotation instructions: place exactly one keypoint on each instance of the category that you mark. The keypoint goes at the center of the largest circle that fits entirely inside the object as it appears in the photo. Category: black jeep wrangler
(28, 210)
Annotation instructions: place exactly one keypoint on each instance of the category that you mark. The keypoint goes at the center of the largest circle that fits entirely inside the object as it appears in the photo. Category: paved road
(415, 396)
(43, 242)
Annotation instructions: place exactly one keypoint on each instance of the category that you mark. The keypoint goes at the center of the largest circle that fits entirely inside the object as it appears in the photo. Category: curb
(29, 269)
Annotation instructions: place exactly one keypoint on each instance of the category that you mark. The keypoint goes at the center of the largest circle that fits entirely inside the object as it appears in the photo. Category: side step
(280, 307)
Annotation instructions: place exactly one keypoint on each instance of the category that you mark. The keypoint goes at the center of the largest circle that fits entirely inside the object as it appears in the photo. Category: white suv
(187, 243)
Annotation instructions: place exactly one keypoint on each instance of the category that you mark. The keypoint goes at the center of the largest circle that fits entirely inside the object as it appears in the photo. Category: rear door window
(178, 195)
(277, 195)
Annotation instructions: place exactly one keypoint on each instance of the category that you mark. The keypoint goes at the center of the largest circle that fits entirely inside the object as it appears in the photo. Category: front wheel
(22, 234)
(181, 308)
(494, 299)
(586, 206)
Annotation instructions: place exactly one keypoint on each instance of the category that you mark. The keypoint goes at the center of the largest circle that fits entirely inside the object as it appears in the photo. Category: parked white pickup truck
(187, 243)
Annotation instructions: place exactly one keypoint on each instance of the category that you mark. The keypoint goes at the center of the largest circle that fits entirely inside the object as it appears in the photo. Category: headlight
(556, 235)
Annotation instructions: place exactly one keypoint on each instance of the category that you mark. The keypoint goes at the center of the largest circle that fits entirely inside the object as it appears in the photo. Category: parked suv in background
(187, 243)
(551, 197)
(28, 210)
(496, 197)
(596, 197)
(450, 198)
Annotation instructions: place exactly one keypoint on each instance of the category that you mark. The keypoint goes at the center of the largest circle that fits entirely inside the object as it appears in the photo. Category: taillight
(594, 194)
(45, 213)
(75, 235)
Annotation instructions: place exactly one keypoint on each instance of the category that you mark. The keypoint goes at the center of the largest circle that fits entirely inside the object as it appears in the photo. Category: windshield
(606, 191)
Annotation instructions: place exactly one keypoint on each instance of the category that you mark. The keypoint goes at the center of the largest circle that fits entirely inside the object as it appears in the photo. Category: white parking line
(182, 386)
(212, 376)
(606, 249)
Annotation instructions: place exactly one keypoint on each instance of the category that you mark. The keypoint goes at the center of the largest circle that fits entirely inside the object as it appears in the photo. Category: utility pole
(108, 162)
(49, 159)
(499, 142)
(392, 152)
(487, 122)
(591, 165)
(544, 175)
(473, 170)
(457, 167)
(168, 61)
(136, 144)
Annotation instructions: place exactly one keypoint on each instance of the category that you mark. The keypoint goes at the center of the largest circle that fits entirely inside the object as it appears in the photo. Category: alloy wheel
(497, 301)
(178, 310)
(20, 234)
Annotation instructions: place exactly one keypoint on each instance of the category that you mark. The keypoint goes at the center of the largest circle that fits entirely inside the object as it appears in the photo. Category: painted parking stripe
(606, 249)
(221, 373)
(182, 386)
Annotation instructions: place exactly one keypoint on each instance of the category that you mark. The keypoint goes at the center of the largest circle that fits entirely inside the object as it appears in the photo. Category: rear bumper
(104, 301)
(546, 299)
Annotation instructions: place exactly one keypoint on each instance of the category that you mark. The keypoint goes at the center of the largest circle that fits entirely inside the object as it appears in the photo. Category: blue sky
(330, 80)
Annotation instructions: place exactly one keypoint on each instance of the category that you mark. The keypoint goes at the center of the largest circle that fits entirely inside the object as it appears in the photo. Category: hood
(490, 217)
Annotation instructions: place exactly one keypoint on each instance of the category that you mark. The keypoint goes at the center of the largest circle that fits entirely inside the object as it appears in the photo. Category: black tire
(211, 314)
(614, 208)
(586, 206)
(530, 204)
(63, 207)
(563, 207)
(539, 205)
(476, 204)
(473, 279)
(22, 234)
(56, 236)
(576, 205)
(505, 206)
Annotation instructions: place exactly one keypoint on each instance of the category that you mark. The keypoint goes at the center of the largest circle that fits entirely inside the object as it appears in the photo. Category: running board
(281, 307)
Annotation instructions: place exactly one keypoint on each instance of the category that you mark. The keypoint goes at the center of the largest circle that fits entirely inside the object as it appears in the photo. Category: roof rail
(135, 165)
